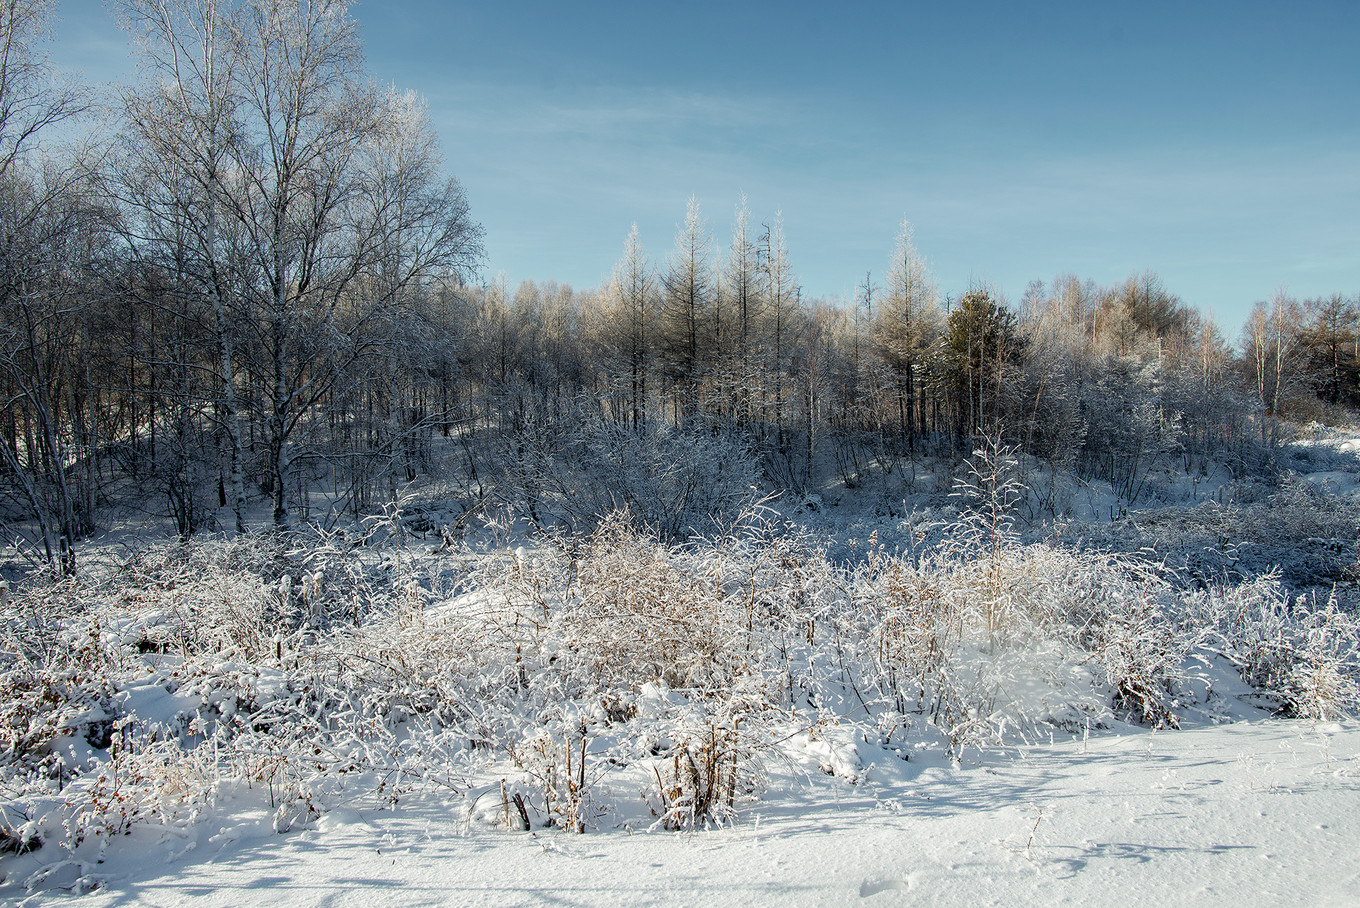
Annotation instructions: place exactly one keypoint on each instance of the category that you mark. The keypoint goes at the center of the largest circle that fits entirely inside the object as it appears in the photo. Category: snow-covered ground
(1248, 813)
(347, 721)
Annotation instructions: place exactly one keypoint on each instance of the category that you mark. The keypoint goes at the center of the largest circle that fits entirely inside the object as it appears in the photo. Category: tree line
(1104, 381)
(259, 285)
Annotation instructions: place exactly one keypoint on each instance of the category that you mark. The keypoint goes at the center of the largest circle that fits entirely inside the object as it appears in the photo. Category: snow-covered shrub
(41, 705)
(555, 755)
(937, 640)
(966, 635)
(1303, 658)
(1253, 624)
(1141, 652)
(159, 783)
(595, 675)
(917, 629)
(247, 595)
(1325, 683)
(703, 622)
(412, 691)
(676, 483)
(56, 683)
(641, 611)
(114, 688)
(1311, 539)
(713, 761)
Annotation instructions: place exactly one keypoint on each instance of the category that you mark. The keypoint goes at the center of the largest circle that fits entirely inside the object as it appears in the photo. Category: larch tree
(686, 309)
(627, 333)
(781, 296)
(740, 342)
(907, 323)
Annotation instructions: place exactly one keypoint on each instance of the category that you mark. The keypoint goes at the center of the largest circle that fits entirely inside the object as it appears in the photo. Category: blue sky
(1217, 144)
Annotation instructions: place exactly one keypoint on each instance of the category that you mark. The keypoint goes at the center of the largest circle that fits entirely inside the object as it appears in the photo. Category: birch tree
(314, 202)
(48, 230)
(1272, 338)
(32, 97)
(178, 176)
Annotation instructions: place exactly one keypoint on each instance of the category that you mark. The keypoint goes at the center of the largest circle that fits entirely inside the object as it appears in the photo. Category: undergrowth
(600, 679)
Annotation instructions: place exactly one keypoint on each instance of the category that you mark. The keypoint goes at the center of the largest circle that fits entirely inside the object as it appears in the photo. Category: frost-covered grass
(1310, 539)
(597, 683)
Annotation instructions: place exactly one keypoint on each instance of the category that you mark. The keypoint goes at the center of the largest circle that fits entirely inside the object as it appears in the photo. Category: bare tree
(48, 225)
(176, 174)
(31, 96)
(312, 206)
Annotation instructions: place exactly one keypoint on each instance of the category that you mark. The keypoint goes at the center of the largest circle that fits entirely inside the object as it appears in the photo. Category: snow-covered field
(1248, 813)
(839, 702)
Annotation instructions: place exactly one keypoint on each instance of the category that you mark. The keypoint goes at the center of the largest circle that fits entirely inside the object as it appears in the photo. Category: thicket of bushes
(613, 669)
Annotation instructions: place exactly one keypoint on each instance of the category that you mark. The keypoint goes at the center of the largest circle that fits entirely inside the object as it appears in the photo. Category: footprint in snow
(868, 888)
